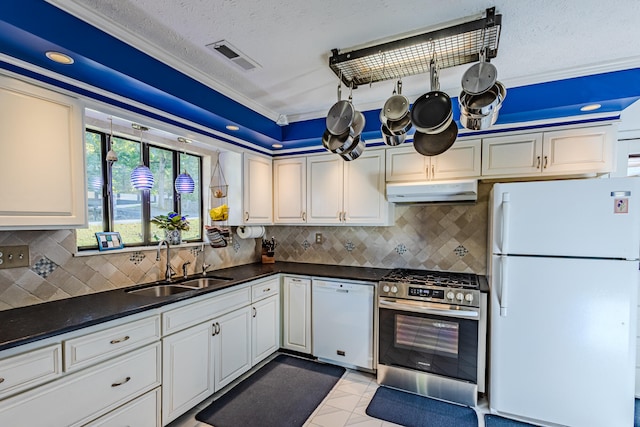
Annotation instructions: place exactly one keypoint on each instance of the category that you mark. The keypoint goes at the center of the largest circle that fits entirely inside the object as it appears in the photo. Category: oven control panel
(456, 296)
(426, 292)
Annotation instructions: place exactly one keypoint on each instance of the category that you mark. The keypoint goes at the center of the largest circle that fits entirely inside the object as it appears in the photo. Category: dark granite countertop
(27, 324)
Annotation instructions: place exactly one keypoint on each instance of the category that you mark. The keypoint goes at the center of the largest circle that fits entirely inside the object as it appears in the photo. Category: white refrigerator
(564, 281)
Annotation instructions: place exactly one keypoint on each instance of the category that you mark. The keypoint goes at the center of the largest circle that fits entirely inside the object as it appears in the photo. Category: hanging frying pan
(340, 115)
(432, 113)
(434, 144)
(480, 77)
(396, 107)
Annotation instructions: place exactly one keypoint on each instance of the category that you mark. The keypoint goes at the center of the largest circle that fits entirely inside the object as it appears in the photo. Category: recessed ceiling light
(233, 127)
(276, 145)
(590, 107)
(60, 58)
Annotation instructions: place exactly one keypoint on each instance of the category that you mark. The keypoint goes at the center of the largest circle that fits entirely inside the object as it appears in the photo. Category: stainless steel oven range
(432, 329)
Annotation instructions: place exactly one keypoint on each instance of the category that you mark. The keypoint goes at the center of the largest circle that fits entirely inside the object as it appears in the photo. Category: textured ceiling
(291, 40)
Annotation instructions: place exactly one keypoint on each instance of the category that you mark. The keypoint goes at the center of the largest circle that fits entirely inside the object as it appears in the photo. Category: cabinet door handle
(119, 340)
(538, 162)
(433, 171)
(246, 216)
(217, 328)
(304, 216)
(255, 312)
(546, 162)
(213, 332)
(126, 380)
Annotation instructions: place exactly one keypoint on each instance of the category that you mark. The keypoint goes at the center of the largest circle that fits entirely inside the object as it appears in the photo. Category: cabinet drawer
(19, 372)
(265, 289)
(81, 397)
(141, 412)
(192, 314)
(106, 344)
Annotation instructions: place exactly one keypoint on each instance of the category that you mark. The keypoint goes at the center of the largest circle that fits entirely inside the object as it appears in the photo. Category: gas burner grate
(433, 278)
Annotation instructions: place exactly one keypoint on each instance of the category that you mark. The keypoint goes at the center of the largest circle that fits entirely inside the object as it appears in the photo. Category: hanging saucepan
(390, 138)
(355, 151)
(358, 144)
(482, 104)
(474, 122)
(401, 126)
(479, 112)
(340, 115)
(432, 112)
(434, 144)
(480, 77)
(396, 107)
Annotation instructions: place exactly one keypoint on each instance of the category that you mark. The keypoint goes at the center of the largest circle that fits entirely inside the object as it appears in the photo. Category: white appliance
(342, 315)
(433, 191)
(564, 281)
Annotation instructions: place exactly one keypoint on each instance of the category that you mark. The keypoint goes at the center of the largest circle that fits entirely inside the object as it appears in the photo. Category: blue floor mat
(411, 410)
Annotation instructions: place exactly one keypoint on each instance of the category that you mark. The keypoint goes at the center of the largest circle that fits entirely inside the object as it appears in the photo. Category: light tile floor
(345, 405)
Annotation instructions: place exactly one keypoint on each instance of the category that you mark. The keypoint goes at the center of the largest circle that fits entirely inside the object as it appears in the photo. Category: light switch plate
(14, 256)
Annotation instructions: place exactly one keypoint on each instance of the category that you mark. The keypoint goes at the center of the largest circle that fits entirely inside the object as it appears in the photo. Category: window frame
(145, 196)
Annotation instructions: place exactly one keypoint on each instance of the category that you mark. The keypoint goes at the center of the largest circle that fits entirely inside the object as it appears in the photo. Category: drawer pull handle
(126, 380)
(119, 340)
(266, 290)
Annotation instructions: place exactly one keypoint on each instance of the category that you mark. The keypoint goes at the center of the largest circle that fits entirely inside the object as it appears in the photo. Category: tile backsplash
(439, 237)
(450, 237)
(55, 273)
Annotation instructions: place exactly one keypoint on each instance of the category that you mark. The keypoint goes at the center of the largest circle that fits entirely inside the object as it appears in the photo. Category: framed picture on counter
(109, 240)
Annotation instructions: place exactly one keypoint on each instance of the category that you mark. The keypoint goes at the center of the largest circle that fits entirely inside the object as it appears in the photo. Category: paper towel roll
(250, 232)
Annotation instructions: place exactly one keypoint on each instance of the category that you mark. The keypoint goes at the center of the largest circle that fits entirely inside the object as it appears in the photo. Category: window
(114, 205)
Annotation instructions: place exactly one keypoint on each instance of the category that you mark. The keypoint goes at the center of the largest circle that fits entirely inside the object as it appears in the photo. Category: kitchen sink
(162, 290)
(167, 289)
(206, 282)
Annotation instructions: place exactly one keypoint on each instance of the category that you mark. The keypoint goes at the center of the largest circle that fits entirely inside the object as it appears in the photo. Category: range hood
(433, 191)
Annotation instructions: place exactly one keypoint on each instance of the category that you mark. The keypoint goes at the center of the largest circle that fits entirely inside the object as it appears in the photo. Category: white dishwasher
(342, 313)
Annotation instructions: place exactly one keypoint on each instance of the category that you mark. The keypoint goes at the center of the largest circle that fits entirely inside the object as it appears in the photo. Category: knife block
(268, 257)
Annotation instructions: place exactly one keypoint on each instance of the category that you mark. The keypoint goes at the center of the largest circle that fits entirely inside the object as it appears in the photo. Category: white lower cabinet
(141, 412)
(296, 314)
(265, 322)
(187, 370)
(81, 397)
(232, 346)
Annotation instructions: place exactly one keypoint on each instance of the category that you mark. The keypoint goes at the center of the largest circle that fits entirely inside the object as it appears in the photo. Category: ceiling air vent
(234, 55)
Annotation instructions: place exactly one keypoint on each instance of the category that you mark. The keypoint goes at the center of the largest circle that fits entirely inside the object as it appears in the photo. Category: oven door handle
(429, 309)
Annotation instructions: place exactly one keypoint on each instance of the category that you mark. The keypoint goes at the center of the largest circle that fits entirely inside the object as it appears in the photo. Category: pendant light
(112, 156)
(141, 177)
(184, 183)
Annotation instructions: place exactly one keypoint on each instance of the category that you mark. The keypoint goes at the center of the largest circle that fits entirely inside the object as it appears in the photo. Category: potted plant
(173, 225)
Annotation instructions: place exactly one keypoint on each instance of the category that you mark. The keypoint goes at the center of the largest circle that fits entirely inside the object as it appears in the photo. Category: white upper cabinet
(258, 190)
(290, 191)
(564, 152)
(249, 177)
(41, 158)
(342, 192)
(462, 160)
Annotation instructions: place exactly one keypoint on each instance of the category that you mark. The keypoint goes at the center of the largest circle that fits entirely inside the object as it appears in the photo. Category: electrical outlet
(14, 256)
(318, 237)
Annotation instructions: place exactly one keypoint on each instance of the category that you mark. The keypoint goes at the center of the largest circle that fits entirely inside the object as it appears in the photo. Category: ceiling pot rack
(455, 45)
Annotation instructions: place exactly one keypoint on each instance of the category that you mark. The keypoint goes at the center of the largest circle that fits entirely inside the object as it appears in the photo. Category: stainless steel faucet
(184, 268)
(204, 265)
(168, 272)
